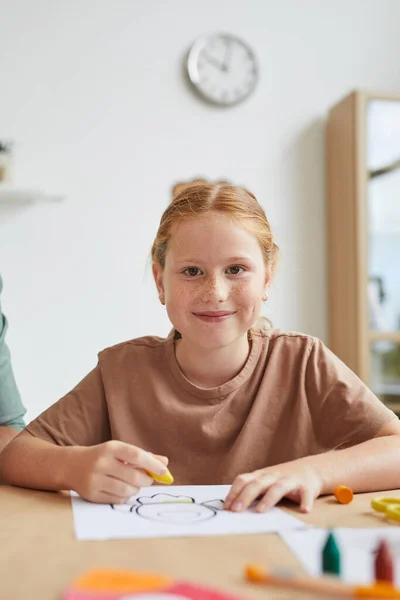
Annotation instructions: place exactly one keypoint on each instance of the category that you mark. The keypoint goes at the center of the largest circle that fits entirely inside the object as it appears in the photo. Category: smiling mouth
(214, 313)
(216, 316)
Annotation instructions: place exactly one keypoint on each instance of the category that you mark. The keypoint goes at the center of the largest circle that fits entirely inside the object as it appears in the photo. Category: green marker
(331, 556)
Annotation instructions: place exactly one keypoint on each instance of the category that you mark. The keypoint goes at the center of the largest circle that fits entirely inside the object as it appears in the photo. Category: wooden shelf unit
(347, 178)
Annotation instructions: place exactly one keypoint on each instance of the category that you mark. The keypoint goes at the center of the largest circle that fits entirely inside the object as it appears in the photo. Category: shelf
(13, 195)
(394, 406)
(387, 389)
(387, 336)
(393, 229)
(363, 231)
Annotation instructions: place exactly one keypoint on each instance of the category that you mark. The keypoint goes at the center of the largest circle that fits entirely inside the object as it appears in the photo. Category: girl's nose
(215, 290)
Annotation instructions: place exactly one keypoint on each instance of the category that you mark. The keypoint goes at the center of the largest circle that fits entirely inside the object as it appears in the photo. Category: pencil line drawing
(171, 509)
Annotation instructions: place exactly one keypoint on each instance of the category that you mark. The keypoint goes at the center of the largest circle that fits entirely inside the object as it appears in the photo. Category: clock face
(222, 68)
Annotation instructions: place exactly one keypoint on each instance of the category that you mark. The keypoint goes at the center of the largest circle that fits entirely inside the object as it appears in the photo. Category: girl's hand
(298, 482)
(112, 472)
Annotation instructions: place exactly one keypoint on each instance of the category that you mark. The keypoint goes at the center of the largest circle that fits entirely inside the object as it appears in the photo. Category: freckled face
(213, 281)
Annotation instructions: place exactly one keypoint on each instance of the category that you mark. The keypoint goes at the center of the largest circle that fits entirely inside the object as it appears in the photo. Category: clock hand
(213, 61)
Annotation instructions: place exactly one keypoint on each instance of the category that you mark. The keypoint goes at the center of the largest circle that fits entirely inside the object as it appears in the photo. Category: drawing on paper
(174, 510)
(177, 511)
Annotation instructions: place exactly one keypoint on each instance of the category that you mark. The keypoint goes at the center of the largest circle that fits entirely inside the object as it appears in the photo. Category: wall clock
(222, 68)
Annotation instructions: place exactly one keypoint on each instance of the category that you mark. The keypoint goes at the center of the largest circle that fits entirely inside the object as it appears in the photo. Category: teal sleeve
(12, 410)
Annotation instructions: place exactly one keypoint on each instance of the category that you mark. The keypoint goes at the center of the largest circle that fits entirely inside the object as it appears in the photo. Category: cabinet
(363, 230)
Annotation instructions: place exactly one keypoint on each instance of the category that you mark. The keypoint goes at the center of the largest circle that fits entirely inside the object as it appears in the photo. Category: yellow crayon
(167, 478)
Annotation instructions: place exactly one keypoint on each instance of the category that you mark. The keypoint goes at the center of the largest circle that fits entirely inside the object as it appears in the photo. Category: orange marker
(343, 494)
(112, 581)
(322, 586)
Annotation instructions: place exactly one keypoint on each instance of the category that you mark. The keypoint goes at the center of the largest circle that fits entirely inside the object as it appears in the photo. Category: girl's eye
(192, 271)
(235, 270)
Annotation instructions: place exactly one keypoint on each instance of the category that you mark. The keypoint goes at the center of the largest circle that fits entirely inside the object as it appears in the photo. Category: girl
(223, 399)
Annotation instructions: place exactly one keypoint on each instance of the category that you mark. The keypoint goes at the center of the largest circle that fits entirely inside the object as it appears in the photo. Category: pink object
(182, 590)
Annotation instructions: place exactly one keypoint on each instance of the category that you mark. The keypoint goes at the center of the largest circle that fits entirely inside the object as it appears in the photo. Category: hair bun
(180, 186)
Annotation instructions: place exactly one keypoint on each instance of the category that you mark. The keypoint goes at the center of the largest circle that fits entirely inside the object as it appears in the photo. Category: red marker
(384, 567)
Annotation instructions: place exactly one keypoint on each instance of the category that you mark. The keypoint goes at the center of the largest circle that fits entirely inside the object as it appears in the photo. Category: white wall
(93, 94)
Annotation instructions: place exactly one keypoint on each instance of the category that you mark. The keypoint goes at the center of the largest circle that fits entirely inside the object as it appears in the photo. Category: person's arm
(366, 467)
(31, 462)
(369, 466)
(6, 435)
(69, 446)
(80, 418)
(110, 472)
(12, 410)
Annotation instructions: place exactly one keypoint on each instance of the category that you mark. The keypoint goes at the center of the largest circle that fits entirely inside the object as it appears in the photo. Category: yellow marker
(389, 506)
(167, 478)
(381, 503)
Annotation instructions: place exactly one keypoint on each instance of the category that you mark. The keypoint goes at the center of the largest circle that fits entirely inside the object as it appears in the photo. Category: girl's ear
(268, 278)
(158, 278)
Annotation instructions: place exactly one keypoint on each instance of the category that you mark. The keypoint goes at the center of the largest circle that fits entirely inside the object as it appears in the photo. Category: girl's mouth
(214, 316)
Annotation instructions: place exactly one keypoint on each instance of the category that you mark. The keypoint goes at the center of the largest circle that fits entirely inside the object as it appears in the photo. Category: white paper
(176, 511)
(357, 550)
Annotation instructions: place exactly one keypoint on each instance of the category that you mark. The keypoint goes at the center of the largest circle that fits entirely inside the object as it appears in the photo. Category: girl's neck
(211, 368)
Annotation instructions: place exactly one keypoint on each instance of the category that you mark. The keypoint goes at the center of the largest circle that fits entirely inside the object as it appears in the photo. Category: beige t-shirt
(293, 398)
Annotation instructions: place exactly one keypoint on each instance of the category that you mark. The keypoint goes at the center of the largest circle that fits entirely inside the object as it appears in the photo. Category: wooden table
(40, 556)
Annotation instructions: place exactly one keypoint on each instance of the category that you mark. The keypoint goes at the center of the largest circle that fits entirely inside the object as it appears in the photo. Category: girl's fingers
(116, 487)
(136, 456)
(271, 485)
(276, 492)
(103, 497)
(127, 473)
(108, 490)
(163, 459)
(294, 496)
(251, 491)
(306, 499)
(237, 486)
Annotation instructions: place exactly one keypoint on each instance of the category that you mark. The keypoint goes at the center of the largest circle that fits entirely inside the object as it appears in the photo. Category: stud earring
(265, 297)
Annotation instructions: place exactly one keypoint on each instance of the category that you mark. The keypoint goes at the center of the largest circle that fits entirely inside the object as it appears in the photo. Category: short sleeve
(11, 408)
(344, 411)
(80, 418)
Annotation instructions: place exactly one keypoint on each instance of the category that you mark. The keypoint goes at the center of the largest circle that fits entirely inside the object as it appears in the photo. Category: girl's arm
(6, 435)
(31, 462)
(366, 467)
(110, 472)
